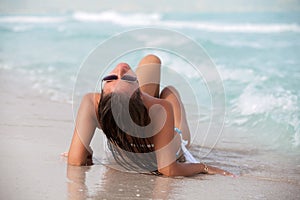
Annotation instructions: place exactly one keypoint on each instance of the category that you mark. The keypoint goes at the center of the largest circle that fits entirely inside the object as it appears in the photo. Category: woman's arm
(167, 143)
(80, 152)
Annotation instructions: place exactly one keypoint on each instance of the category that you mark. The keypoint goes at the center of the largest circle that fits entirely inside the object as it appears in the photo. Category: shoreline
(34, 131)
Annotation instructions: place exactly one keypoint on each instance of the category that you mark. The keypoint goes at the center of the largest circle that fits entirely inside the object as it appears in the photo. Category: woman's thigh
(148, 73)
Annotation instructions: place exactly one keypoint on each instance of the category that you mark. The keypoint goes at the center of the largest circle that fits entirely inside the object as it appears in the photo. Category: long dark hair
(130, 147)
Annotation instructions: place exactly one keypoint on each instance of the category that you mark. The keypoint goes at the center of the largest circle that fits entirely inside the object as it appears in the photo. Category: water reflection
(77, 189)
(101, 182)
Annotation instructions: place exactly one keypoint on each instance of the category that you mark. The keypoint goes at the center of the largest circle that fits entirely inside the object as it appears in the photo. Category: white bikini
(188, 156)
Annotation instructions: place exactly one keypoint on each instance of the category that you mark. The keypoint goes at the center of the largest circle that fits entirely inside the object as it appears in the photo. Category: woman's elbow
(75, 161)
(167, 171)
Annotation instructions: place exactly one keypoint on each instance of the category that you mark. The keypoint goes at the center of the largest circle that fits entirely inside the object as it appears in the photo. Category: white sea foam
(256, 107)
(252, 101)
(234, 28)
(117, 18)
(155, 19)
(32, 19)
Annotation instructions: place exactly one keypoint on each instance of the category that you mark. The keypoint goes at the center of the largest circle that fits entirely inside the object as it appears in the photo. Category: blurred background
(59, 6)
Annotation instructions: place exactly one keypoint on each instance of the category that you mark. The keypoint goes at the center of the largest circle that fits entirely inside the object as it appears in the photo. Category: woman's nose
(122, 68)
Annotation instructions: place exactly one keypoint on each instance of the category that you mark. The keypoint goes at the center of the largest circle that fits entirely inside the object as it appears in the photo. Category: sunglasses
(127, 78)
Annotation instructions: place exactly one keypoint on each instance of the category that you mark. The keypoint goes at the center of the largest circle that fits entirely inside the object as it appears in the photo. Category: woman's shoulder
(158, 103)
(93, 98)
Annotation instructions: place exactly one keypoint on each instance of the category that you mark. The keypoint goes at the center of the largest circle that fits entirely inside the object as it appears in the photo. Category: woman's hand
(64, 154)
(215, 170)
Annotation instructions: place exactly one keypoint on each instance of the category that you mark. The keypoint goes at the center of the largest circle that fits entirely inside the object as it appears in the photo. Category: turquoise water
(257, 55)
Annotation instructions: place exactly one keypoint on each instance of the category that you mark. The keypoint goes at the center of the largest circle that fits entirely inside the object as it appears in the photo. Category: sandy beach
(34, 131)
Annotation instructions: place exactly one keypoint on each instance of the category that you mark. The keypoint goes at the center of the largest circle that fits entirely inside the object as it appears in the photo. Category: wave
(262, 107)
(235, 28)
(32, 19)
(256, 109)
(117, 18)
(252, 102)
(139, 19)
(155, 19)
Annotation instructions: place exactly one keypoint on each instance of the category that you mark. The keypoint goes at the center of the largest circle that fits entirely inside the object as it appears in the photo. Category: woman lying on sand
(146, 129)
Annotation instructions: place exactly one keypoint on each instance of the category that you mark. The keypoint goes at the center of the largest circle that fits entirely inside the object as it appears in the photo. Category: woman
(145, 128)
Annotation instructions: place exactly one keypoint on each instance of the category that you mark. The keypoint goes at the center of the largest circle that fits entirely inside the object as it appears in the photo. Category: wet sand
(34, 131)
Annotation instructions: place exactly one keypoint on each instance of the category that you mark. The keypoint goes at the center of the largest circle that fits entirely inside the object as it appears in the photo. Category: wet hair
(129, 144)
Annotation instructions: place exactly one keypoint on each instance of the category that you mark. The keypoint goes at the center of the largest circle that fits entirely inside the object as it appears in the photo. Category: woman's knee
(169, 90)
(150, 59)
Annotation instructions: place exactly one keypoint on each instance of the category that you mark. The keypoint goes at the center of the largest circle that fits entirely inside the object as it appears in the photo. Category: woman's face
(119, 85)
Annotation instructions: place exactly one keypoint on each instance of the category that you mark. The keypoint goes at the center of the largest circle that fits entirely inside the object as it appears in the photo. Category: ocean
(255, 54)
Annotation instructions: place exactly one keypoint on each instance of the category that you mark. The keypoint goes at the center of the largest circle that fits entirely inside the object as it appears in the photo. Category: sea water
(256, 54)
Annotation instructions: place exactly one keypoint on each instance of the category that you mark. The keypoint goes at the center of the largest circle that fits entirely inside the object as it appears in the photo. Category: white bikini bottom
(188, 156)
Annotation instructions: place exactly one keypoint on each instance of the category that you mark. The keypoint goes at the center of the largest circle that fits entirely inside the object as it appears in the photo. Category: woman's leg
(171, 94)
(148, 73)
